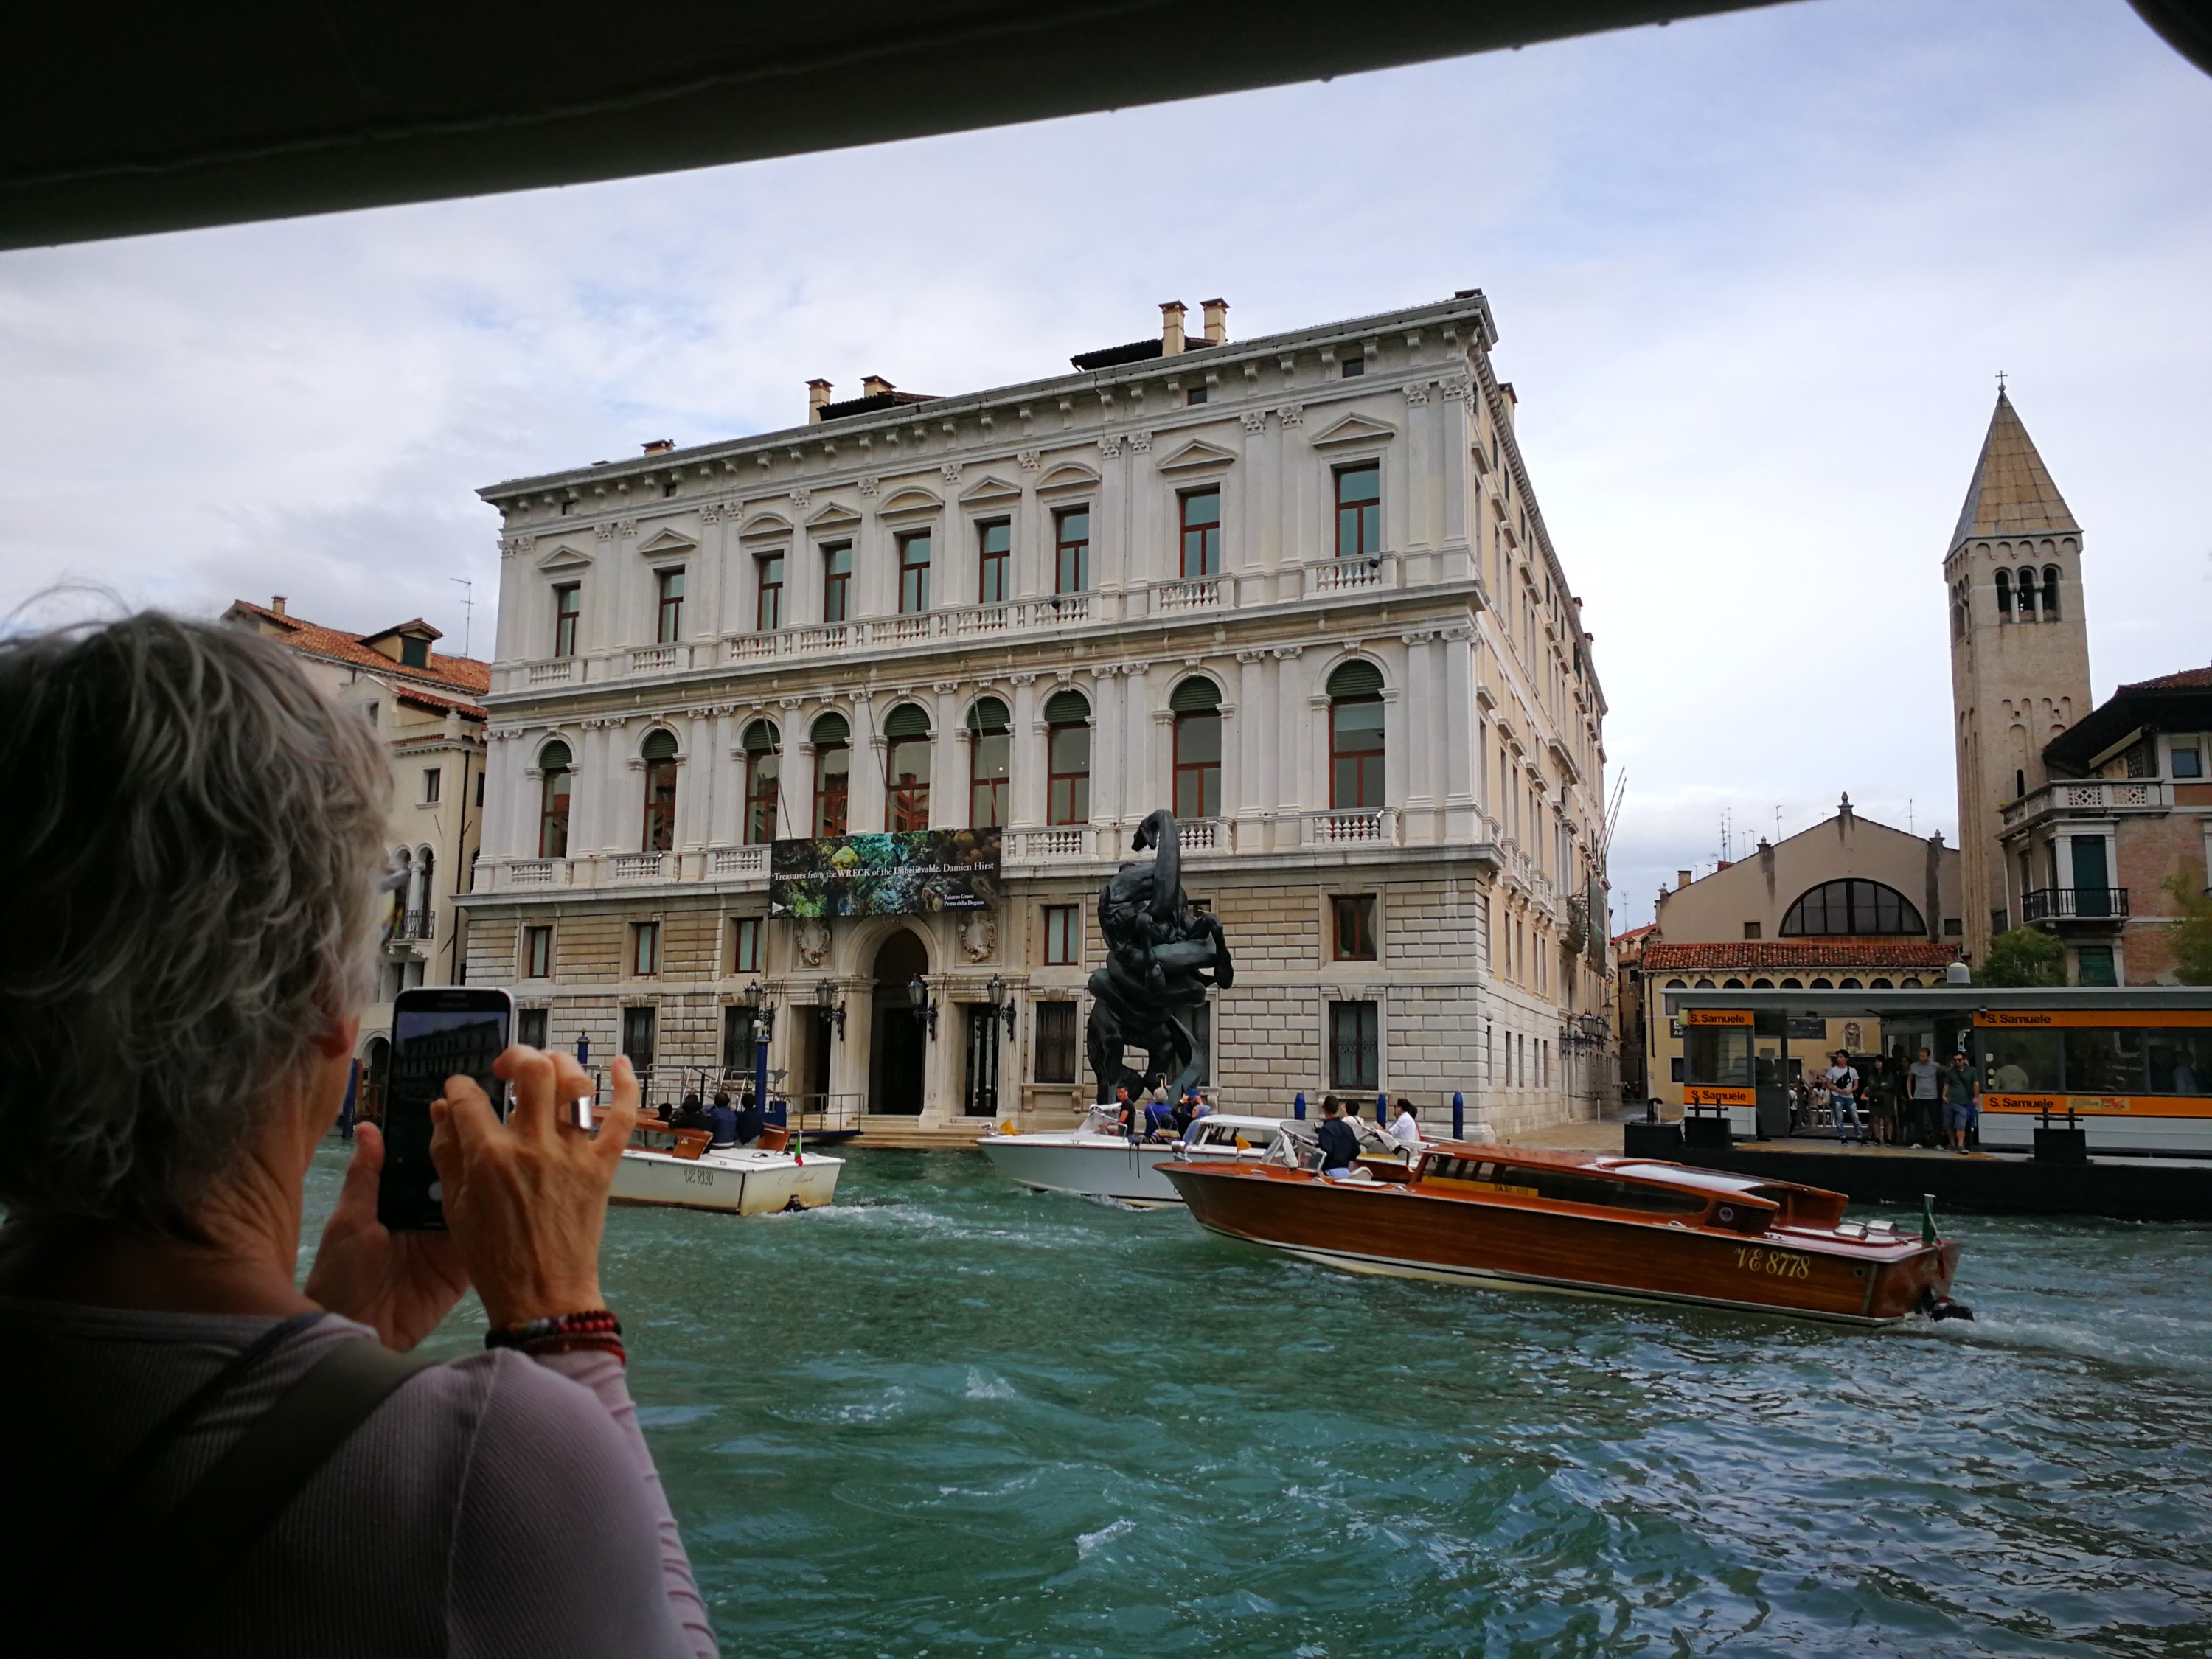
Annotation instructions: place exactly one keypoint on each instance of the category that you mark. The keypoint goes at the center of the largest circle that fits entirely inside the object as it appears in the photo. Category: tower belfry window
(2026, 594)
(2051, 593)
(2004, 596)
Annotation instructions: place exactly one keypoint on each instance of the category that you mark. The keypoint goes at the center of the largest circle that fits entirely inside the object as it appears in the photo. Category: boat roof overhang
(1878, 1004)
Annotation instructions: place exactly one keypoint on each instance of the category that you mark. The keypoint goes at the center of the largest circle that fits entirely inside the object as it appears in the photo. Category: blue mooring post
(352, 1094)
(1298, 1107)
(584, 1052)
(1459, 1115)
(779, 1113)
(1382, 1110)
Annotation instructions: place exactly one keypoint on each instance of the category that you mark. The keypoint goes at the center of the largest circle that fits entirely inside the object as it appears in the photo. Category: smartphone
(435, 1033)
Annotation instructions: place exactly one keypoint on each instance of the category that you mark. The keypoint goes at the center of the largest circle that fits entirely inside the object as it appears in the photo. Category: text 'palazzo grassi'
(1296, 589)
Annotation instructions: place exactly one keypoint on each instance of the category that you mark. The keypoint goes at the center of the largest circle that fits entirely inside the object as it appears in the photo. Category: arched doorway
(900, 1054)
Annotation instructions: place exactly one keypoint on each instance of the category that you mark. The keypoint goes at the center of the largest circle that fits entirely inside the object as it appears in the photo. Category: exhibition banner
(907, 874)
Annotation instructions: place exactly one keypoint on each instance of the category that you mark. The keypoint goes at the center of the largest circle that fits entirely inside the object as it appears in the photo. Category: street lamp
(1002, 1000)
(825, 997)
(917, 992)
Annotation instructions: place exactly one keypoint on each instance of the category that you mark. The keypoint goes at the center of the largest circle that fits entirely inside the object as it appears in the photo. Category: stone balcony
(2096, 797)
(1041, 617)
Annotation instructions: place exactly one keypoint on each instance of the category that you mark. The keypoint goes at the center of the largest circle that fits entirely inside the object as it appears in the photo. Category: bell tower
(2020, 656)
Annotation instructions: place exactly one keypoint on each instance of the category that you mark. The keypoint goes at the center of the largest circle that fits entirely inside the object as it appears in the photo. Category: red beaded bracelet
(594, 1322)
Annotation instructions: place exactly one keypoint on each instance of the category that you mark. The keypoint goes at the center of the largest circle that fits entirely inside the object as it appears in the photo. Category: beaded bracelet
(598, 1322)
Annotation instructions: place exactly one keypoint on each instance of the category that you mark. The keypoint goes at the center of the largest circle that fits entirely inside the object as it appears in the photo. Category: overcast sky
(1754, 276)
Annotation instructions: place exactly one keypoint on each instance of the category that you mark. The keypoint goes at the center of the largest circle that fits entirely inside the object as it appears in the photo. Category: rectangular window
(1072, 561)
(1354, 1045)
(914, 573)
(1067, 780)
(907, 761)
(2188, 763)
(1750, 929)
(837, 583)
(1674, 1069)
(1063, 935)
(745, 944)
(659, 834)
(1354, 914)
(1198, 764)
(1196, 395)
(480, 788)
(669, 586)
(737, 1039)
(764, 769)
(645, 949)
(567, 612)
(768, 610)
(833, 770)
(993, 544)
(1354, 367)
(432, 781)
(537, 953)
(2096, 968)
(637, 1038)
(1201, 534)
(1055, 1042)
(530, 1027)
(1359, 512)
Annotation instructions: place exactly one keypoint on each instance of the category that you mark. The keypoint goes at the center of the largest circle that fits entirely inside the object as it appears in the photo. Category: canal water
(947, 1416)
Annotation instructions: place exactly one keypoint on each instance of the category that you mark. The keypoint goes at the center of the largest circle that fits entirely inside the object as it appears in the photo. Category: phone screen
(435, 1035)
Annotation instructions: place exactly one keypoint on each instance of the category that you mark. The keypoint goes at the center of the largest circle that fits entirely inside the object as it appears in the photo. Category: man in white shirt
(1405, 1127)
(1844, 1095)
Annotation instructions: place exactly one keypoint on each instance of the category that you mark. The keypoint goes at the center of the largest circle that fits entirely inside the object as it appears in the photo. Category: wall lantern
(917, 992)
(1002, 1000)
(763, 1011)
(825, 997)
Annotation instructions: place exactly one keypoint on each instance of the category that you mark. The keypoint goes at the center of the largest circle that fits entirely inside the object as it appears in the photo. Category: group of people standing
(1904, 1104)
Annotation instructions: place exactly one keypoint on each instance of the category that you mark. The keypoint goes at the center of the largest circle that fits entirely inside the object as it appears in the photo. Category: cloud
(1754, 276)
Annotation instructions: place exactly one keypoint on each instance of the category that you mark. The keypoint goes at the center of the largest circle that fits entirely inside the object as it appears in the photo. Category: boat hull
(739, 1184)
(1387, 1228)
(1093, 1166)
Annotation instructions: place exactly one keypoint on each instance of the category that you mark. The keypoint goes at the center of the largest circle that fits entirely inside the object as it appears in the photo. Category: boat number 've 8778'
(1779, 1263)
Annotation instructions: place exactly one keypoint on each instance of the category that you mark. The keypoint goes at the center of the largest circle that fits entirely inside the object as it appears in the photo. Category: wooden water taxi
(682, 1168)
(1602, 1226)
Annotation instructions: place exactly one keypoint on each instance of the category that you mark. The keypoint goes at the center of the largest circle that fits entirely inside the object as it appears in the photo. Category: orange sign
(2100, 1105)
(2047, 1019)
(1701, 1094)
(1717, 1017)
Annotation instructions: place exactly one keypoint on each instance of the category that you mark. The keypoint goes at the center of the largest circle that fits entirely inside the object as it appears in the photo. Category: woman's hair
(195, 838)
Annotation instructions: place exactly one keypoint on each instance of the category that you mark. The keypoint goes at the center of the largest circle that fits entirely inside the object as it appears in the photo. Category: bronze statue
(1161, 958)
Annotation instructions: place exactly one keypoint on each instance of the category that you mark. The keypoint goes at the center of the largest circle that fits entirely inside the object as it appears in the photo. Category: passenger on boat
(692, 1115)
(1160, 1119)
(722, 1119)
(1339, 1141)
(749, 1122)
(198, 833)
(1405, 1125)
(1201, 1107)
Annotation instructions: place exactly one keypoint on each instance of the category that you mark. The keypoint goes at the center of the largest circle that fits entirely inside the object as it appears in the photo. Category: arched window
(1677, 985)
(990, 738)
(1704, 985)
(553, 764)
(833, 774)
(1824, 985)
(659, 756)
(1836, 907)
(1732, 985)
(1911, 984)
(763, 779)
(1879, 984)
(2051, 593)
(1762, 985)
(2027, 593)
(1196, 704)
(1793, 984)
(1849, 984)
(1068, 758)
(2004, 596)
(907, 766)
(1355, 736)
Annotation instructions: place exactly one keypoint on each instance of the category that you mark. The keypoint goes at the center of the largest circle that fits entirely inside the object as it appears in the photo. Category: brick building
(1296, 589)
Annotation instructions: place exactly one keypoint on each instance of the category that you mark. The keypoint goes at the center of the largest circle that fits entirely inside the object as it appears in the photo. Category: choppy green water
(948, 1417)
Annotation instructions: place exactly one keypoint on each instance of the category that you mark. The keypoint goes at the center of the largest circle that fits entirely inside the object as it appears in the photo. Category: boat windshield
(1562, 1186)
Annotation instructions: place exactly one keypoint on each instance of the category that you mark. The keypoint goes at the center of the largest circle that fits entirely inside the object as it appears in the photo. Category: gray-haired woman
(193, 837)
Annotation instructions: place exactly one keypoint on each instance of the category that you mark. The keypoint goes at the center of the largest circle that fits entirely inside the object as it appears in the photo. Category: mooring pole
(1459, 1115)
(1298, 1107)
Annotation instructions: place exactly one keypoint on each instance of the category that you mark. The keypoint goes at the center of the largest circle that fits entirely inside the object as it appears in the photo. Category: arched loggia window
(1840, 908)
(1196, 705)
(2026, 592)
(833, 774)
(2051, 593)
(554, 764)
(1355, 736)
(659, 756)
(1068, 758)
(906, 764)
(990, 743)
(2004, 596)
(763, 782)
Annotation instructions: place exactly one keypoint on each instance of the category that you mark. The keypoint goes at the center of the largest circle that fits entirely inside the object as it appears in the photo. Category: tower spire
(2011, 493)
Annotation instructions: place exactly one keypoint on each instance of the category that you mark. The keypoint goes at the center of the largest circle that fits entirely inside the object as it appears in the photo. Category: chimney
(1681, 879)
(660, 446)
(817, 399)
(874, 386)
(1509, 401)
(276, 604)
(1171, 328)
(1216, 321)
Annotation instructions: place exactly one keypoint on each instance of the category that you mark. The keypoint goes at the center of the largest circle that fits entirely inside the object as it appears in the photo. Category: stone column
(1232, 753)
(1420, 689)
(948, 772)
(797, 785)
(1463, 767)
(1140, 790)
(870, 810)
(1106, 760)
(1292, 715)
(1397, 749)
(1255, 793)
(1026, 809)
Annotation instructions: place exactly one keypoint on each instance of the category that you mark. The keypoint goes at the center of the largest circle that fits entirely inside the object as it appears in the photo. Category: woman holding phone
(204, 1456)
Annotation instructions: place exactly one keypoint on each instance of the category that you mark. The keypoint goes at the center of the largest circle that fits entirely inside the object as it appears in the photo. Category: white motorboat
(680, 1167)
(1094, 1162)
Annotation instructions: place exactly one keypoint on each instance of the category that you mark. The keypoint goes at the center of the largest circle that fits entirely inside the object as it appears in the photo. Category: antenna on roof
(468, 610)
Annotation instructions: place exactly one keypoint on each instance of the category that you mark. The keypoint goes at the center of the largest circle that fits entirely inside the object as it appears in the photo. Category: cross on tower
(2001, 381)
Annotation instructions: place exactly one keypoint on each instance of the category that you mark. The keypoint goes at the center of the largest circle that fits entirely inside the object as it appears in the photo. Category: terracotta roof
(2011, 494)
(451, 673)
(2189, 679)
(1754, 955)
(1634, 933)
(417, 697)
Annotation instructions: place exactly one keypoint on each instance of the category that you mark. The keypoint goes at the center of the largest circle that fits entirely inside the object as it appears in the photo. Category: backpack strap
(193, 1552)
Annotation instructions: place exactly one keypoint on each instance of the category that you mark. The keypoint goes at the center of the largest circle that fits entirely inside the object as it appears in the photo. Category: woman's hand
(526, 1200)
(403, 1284)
